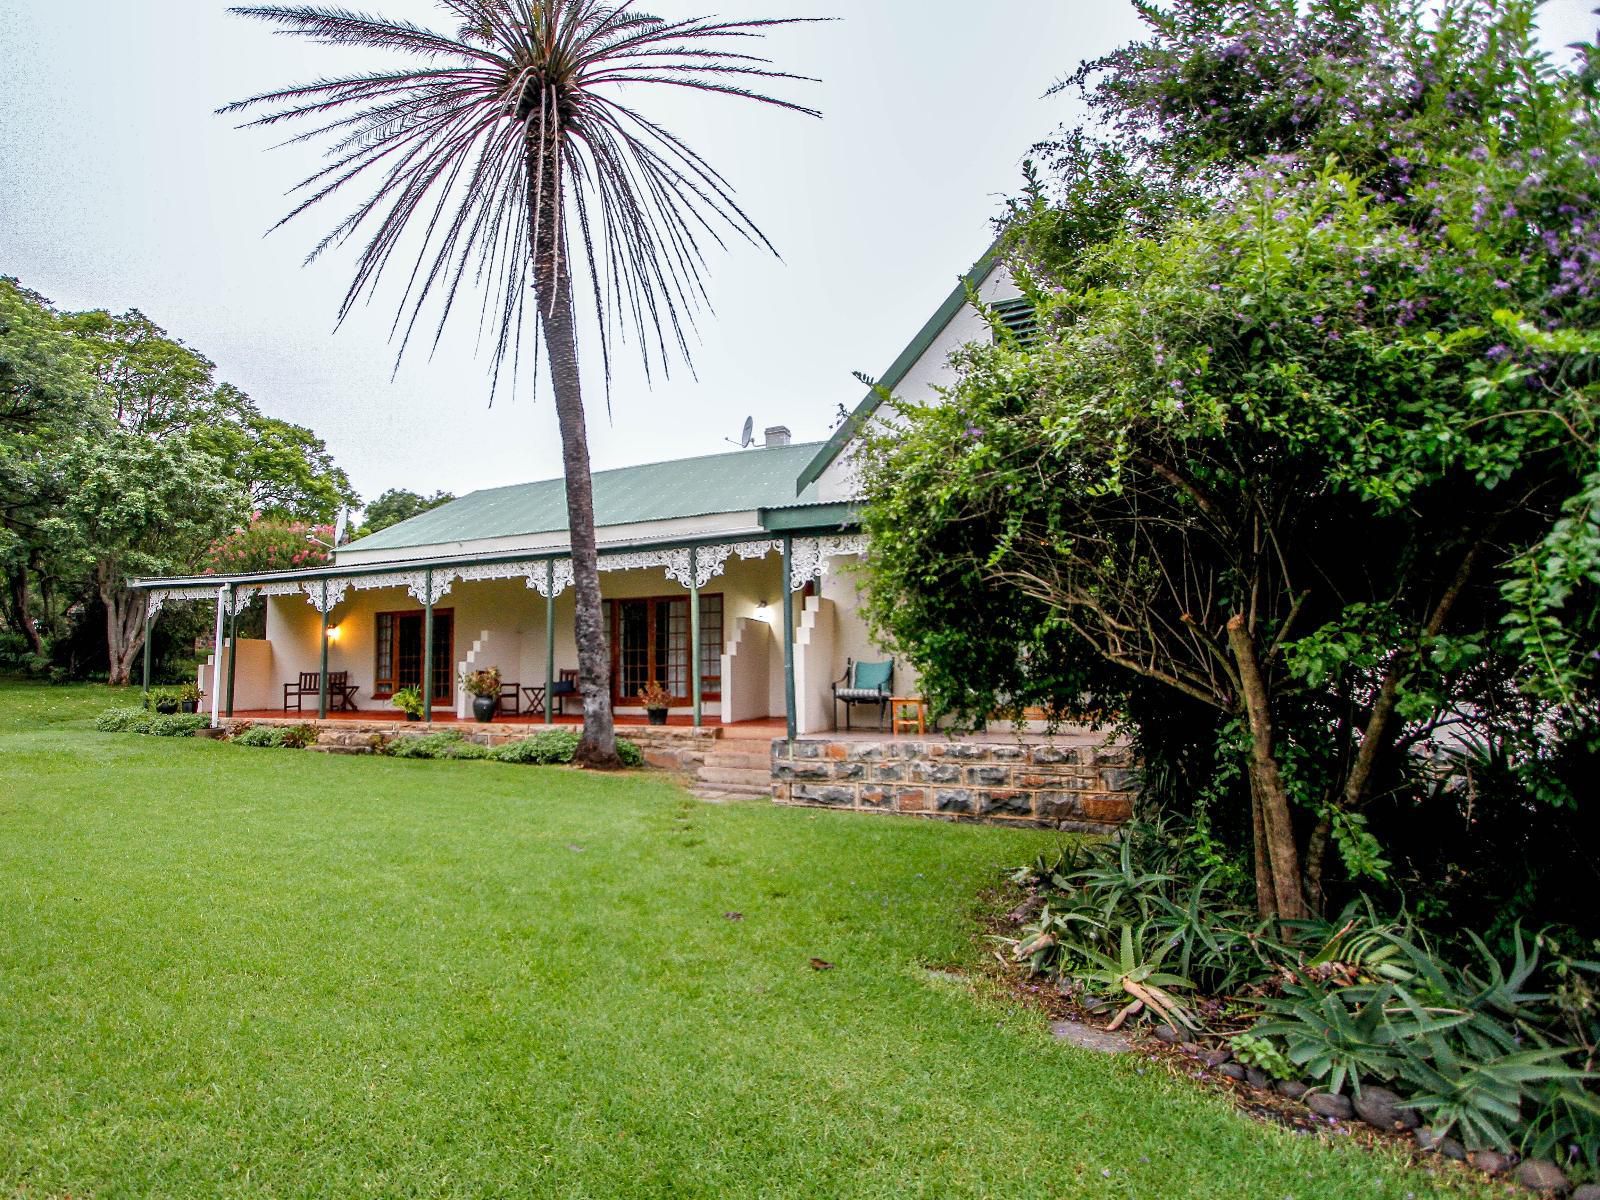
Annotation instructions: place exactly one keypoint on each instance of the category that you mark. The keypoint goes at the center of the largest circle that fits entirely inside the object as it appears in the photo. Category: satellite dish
(341, 524)
(746, 435)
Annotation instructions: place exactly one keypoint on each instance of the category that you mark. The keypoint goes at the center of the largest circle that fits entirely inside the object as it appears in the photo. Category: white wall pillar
(813, 665)
(216, 657)
(746, 672)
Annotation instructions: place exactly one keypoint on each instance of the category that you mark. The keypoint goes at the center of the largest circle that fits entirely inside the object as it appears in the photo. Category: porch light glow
(333, 633)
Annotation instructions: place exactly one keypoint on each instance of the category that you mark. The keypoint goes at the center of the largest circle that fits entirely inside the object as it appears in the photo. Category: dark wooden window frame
(711, 690)
(383, 689)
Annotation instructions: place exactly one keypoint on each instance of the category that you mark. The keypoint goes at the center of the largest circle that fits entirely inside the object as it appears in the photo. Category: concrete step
(735, 777)
(742, 760)
(714, 795)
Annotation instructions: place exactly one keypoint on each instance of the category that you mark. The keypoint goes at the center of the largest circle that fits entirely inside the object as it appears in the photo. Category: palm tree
(491, 148)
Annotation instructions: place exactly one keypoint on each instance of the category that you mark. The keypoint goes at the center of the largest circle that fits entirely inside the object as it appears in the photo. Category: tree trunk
(125, 626)
(552, 285)
(1279, 857)
(18, 589)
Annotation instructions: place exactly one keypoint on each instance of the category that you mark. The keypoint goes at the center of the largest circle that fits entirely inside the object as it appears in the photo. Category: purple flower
(1497, 352)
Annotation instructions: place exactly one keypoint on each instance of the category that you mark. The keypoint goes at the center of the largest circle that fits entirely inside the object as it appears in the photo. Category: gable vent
(1018, 315)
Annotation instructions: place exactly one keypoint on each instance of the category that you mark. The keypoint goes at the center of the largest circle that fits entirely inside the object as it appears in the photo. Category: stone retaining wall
(1084, 789)
(679, 748)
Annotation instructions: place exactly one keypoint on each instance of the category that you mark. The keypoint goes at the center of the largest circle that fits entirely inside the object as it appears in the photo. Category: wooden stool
(916, 714)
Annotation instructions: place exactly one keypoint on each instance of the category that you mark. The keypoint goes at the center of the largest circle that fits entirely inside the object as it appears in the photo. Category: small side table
(908, 713)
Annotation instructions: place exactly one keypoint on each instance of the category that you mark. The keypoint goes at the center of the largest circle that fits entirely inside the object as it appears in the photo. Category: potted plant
(189, 698)
(409, 701)
(164, 701)
(484, 688)
(655, 700)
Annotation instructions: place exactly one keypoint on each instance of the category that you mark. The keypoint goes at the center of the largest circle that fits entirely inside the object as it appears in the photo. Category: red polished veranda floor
(769, 728)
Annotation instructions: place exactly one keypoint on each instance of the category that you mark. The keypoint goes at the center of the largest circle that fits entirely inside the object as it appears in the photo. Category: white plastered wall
(513, 617)
(839, 483)
(253, 680)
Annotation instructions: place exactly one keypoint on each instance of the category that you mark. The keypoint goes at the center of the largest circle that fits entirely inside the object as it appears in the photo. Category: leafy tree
(285, 469)
(502, 142)
(396, 505)
(1308, 440)
(42, 369)
(86, 397)
(44, 400)
(139, 505)
(152, 384)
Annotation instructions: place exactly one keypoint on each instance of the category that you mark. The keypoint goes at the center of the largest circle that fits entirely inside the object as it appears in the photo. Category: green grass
(234, 972)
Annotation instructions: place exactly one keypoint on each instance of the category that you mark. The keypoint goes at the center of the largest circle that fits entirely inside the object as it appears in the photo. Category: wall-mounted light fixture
(763, 612)
(333, 633)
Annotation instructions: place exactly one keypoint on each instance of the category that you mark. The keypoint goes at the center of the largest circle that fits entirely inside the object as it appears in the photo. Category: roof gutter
(406, 566)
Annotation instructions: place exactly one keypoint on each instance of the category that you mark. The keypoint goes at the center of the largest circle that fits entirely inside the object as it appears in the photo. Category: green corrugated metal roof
(738, 481)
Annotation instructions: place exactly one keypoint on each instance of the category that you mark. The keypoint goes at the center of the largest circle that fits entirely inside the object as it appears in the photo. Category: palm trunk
(1269, 799)
(552, 285)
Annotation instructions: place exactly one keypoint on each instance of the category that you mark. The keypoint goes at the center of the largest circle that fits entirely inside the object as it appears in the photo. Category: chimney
(776, 435)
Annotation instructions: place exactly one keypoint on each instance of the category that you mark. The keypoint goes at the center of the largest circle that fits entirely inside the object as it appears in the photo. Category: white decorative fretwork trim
(281, 587)
(560, 577)
(325, 595)
(810, 557)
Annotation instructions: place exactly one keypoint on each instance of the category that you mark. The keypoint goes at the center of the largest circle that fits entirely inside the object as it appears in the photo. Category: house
(757, 540)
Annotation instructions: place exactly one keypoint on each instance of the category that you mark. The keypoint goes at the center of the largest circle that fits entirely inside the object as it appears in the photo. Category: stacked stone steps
(734, 769)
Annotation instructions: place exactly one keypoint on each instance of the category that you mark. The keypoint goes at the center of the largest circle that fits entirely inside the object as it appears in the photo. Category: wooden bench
(341, 692)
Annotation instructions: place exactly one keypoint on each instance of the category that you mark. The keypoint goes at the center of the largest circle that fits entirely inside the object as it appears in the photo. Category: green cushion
(874, 675)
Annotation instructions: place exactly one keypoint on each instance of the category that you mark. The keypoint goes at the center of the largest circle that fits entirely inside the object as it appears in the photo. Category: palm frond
(510, 135)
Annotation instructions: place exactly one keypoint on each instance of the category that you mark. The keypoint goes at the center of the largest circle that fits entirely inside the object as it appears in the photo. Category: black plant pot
(166, 707)
(658, 716)
(483, 707)
(413, 716)
(188, 706)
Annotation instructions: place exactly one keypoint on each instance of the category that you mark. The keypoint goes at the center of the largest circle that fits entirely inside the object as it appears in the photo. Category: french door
(399, 638)
(650, 642)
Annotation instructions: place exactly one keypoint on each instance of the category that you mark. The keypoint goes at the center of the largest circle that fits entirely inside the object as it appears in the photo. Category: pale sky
(120, 188)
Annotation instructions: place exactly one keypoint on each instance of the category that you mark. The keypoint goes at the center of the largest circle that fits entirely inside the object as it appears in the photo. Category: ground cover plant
(228, 973)
(1477, 1049)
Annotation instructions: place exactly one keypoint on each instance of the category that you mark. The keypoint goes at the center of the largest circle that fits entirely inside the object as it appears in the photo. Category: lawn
(234, 972)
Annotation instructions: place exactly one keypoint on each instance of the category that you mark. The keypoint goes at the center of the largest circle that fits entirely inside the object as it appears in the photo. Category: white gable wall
(839, 482)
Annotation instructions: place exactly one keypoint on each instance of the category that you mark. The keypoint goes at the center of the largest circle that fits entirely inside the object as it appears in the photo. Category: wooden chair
(510, 699)
(310, 684)
(341, 692)
(564, 689)
(865, 683)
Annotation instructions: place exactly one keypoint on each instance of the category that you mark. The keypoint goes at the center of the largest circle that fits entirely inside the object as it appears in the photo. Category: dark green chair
(865, 683)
